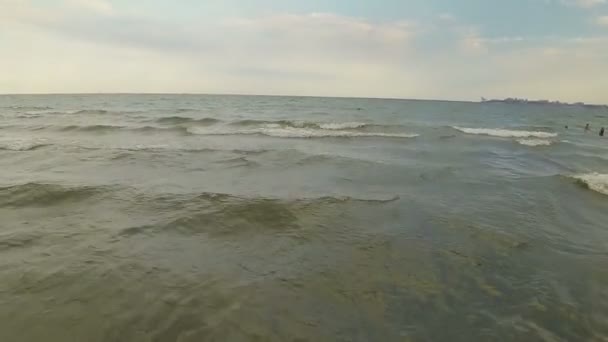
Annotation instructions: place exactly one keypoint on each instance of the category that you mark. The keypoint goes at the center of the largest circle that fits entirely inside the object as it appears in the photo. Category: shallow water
(232, 218)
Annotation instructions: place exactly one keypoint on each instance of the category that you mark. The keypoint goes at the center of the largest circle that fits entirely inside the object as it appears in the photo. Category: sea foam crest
(535, 142)
(506, 133)
(342, 125)
(293, 132)
(22, 145)
(594, 181)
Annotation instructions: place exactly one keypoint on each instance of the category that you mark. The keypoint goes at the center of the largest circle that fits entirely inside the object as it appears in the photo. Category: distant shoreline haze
(509, 100)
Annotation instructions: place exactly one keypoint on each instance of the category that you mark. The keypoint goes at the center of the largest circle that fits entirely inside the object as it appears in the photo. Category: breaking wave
(535, 142)
(213, 126)
(22, 145)
(292, 132)
(342, 125)
(594, 181)
(505, 133)
(301, 124)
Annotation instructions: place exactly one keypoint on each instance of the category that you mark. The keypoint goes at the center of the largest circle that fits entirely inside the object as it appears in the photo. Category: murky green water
(223, 218)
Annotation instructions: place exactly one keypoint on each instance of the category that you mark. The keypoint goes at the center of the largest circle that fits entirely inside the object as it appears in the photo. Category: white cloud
(89, 47)
(603, 21)
(585, 3)
(101, 6)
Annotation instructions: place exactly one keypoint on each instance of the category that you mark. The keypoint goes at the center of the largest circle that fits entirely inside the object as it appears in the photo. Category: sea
(162, 218)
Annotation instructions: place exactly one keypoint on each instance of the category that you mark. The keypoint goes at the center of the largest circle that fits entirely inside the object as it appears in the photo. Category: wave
(92, 128)
(18, 240)
(40, 194)
(341, 199)
(301, 124)
(28, 108)
(236, 162)
(505, 133)
(535, 142)
(110, 128)
(54, 111)
(31, 115)
(274, 123)
(152, 129)
(291, 132)
(103, 112)
(178, 120)
(91, 111)
(184, 110)
(19, 145)
(594, 181)
(342, 125)
(216, 214)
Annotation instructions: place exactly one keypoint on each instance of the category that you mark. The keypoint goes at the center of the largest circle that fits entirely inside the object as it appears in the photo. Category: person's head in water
(602, 132)
(566, 127)
(586, 127)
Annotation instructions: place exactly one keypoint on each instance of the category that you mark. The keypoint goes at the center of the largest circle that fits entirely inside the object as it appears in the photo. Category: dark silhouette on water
(602, 132)
(587, 127)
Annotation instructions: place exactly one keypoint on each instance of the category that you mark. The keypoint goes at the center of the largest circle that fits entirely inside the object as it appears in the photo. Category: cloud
(584, 3)
(100, 6)
(91, 46)
(275, 53)
(603, 21)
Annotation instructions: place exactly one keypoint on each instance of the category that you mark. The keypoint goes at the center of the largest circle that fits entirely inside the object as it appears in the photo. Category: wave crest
(92, 111)
(92, 128)
(301, 124)
(342, 125)
(534, 142)
(506, 133)
(217, 214)
(22, 145)
(27, 108)
(302, 133)
(113, 128)
(40, 194)
(594, 181)
(180, 120)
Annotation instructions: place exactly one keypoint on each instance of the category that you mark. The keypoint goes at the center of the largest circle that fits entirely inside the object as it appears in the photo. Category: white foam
(288, 132)
(21, 145)
(293, 132)
(140, 147)
(535, 142)
(505, 133)
(342, 125)
(595, 181)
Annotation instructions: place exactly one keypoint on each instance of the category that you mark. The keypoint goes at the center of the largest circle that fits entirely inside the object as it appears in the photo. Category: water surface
(233, 218)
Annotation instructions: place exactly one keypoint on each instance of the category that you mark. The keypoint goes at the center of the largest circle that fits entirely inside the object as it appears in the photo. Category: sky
(425, 49)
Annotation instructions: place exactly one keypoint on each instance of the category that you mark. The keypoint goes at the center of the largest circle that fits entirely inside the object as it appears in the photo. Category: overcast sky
(439, 49)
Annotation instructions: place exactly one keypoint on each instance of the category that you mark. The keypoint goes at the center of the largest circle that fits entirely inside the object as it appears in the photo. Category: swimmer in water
(587, 127)
(602, 132)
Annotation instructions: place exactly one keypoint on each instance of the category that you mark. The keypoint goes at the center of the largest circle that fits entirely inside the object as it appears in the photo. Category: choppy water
(227, 218)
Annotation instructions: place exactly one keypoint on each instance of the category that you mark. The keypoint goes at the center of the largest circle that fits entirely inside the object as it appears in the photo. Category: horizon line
(237, 94)
(283, 95)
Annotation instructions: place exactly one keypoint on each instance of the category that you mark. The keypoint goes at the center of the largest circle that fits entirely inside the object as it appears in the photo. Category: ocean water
(235, 218)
